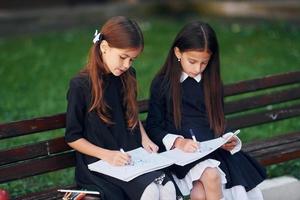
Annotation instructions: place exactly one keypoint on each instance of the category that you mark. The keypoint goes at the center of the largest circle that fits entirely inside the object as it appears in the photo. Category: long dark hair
(196, 36)
(120, 32)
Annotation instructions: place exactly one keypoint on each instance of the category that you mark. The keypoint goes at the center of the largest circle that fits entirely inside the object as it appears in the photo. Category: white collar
(185, 76)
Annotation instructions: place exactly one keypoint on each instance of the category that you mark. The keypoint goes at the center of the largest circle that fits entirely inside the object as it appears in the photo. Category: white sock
(151, 192)
(167, 191)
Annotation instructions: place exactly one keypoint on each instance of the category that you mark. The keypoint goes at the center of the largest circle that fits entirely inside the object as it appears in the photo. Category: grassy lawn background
(35, 71)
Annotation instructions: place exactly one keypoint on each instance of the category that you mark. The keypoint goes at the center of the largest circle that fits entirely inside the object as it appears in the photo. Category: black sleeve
(155, 123)
(76, 110)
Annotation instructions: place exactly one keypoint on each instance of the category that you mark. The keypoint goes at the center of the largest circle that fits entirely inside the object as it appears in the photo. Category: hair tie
(97, 37)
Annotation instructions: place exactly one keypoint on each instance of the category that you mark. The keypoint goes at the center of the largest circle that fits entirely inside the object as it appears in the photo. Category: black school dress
(83, 124)
(240, 168)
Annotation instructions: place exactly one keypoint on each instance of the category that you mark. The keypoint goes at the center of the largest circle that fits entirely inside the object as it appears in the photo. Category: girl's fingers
(193, 149)
(232, 140)
(154, 148)
(231, 144)
(148, 149)
(190, 146)
(125, 156)
(194, 146)
(127, 159)
(151, 149)
(121, 159)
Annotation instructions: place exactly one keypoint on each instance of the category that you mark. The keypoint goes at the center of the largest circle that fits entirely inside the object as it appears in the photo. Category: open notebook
(182, 158)
(144, 162)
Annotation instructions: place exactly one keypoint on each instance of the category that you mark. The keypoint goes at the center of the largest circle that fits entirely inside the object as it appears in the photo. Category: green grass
(35, 71)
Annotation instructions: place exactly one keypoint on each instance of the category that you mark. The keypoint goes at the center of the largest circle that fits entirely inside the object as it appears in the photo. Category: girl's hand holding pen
(117, 158)
(186, 145)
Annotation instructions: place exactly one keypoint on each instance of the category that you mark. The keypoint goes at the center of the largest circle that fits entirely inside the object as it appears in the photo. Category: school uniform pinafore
(240, 169)
(83, 124)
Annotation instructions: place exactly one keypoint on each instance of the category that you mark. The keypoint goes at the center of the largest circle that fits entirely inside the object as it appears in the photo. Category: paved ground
(281, 188)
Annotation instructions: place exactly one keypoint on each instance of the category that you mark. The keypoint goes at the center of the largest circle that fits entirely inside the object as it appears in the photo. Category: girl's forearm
(143, 132)
(85, 147)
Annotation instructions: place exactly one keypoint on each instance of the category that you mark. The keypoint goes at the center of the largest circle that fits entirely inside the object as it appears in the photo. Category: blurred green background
(35, 70)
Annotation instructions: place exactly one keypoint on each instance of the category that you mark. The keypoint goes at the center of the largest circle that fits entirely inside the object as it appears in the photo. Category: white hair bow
(97, 36)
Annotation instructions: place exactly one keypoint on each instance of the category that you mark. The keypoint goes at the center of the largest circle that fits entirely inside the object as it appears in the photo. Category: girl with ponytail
(102, 115)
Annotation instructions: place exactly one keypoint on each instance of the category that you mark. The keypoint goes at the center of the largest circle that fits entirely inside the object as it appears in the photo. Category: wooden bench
(54, 154)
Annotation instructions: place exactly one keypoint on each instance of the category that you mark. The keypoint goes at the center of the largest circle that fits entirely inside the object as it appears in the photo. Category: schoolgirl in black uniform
(102, 116)
(186, 99)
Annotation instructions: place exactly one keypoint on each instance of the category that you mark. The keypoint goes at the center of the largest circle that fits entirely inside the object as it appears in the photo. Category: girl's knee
(198, 192)
(197, 196)
(211, 175)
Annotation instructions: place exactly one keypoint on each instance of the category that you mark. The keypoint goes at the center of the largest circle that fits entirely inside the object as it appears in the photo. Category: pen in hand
(122, 150)
(130, 162)
(194, 137)
(234, 134)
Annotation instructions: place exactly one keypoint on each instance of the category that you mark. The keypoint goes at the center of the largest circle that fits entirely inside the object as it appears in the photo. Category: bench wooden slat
(278, 154)
(36, 166)
(275, 150)
(258, 145)
(262, 83)
(35, 125)
(40, 124)
(143, 106)
(44, 148)
(261, 100)
(248, 120)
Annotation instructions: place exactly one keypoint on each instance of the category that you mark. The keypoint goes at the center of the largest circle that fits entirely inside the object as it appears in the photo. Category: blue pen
(193, 135)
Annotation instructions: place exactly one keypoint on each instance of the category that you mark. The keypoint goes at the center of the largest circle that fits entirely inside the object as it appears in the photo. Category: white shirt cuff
(169, 140)
(237, 147)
